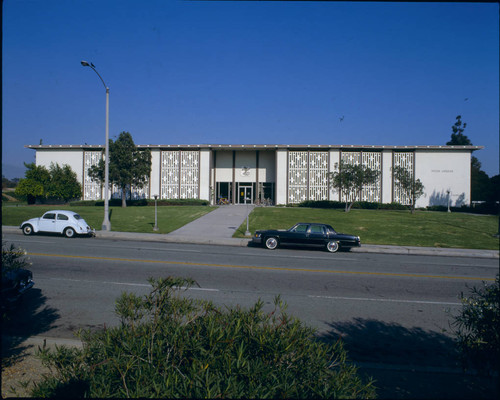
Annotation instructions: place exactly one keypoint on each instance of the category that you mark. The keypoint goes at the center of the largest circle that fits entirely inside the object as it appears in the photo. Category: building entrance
(245, 195)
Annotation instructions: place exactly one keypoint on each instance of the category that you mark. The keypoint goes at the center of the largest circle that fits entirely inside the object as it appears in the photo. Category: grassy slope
(130, 219)
(424, 228)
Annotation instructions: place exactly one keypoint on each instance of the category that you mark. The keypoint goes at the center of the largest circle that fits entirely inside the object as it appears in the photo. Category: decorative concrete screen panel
(169, 174)
(297, 176)
(135, 193)
(190, 161)
(91, 189)
(140, 193)
(180, 174)
(405, 160)
(307, 176)
(318, 175)
(372, 160)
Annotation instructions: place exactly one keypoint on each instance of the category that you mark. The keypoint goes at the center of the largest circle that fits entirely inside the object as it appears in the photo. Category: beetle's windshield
(76, 216)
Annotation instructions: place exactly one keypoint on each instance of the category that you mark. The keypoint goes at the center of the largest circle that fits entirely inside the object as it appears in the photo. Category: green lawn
(129, 219)
(424, 228)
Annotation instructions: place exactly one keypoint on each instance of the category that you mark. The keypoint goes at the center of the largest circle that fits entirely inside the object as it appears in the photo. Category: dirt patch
(21, 369)
(20, 372)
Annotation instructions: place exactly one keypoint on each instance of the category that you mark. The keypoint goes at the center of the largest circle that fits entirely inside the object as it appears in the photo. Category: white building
(279, 174)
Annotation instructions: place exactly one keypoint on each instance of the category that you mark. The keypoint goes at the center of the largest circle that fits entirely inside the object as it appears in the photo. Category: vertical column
(386, 176)
(281, 176)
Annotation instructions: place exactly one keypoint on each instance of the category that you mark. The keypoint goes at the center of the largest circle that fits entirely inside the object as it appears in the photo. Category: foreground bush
(169, 346)
(477, 327)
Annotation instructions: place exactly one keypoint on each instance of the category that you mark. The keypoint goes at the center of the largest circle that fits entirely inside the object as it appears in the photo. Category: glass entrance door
(245, 195)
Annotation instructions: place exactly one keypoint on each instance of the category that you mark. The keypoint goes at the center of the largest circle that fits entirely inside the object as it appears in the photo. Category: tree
(480, 184)
(128, 166)
(56, 182)
(457, 137)
(63, 183)
(412, 188)
(34, 185)
(350, 179)
(9, 183)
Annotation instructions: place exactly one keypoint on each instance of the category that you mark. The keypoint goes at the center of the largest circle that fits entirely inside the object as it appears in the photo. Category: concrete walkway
(220, 223)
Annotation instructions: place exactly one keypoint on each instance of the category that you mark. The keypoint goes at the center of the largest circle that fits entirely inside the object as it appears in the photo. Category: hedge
(142, 202)
(357, 204)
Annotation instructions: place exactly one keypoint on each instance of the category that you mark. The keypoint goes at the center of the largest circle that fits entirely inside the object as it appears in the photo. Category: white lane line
(124, 284)
(386, 300)
(450, 265)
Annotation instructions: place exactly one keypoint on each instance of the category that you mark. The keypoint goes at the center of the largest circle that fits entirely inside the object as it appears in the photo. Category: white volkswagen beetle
(69, 223)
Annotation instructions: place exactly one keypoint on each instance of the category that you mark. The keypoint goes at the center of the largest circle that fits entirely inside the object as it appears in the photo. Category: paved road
(83, 276)
(387, 308)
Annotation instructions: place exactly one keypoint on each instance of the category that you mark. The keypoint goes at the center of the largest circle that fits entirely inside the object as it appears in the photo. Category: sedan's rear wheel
(271, 243)
(332, 246)
(69, 232)
(27, 230)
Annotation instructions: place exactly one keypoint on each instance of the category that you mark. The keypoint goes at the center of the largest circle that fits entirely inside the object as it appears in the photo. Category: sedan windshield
(76, 216)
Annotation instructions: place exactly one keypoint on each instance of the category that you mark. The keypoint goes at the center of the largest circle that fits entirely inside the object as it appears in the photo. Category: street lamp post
(247, 232)
(155, 228)
(106, 224)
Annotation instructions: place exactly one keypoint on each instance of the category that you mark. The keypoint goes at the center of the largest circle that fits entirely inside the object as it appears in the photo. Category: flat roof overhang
(260, 147)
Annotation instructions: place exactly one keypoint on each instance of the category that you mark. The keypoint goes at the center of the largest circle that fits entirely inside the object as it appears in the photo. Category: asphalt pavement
(217, 228)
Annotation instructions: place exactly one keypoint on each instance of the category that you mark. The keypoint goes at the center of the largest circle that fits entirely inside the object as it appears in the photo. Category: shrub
(169, 346)
(357, 204)
(477, 327)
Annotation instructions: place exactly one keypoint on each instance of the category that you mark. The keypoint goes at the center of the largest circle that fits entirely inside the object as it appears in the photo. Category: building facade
(278, 174)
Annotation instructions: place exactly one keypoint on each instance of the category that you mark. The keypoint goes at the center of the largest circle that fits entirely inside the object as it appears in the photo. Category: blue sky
(195, 72)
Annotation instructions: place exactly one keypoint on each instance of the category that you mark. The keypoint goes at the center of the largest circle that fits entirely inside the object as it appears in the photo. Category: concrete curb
(380, 249)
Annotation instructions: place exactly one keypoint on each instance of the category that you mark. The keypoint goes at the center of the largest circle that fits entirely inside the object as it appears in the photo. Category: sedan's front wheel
(271, 243)
(332, 246)
(27, 230)
(69, 232)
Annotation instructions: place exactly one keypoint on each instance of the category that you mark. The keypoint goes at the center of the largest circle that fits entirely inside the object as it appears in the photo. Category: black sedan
(15, 282)
(305, 233)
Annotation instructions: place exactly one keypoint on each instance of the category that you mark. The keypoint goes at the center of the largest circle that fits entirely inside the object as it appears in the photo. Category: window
(49, 216)
(77, 217)
(317, 229)
(300, 228)
(62, 217)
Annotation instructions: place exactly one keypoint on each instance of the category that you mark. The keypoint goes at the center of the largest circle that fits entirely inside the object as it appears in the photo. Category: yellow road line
(263, 268)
